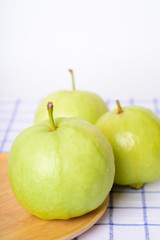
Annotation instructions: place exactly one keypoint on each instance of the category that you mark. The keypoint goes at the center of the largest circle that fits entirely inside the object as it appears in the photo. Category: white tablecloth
(132, 214)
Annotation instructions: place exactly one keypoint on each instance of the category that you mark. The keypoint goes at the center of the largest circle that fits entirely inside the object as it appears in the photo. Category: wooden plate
(18, 224)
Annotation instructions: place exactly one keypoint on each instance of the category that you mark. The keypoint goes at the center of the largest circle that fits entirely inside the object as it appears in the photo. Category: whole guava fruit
(75, 103)
(134, 133)
(61, 168)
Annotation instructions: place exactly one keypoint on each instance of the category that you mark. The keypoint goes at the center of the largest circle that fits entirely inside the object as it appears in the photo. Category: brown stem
(120, 110)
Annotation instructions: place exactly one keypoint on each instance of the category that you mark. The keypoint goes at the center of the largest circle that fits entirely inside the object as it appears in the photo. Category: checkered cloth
(132, 214)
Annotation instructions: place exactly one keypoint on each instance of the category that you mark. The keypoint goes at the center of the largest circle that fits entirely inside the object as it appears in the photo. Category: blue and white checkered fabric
(132, 214)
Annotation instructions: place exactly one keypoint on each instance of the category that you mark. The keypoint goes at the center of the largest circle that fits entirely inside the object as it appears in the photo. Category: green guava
(61, 168)
(134, 133)
(75, 103)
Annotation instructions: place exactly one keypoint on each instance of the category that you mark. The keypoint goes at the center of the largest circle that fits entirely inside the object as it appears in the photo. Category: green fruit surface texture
(135, 138)
(63, 173)
(75, 103)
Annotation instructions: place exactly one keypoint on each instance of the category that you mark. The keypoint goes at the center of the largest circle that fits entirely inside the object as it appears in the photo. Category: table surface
(132, 214)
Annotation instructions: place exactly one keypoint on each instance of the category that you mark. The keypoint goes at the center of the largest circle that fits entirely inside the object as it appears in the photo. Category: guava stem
(73, 82)
(120, 110)
(50, 114)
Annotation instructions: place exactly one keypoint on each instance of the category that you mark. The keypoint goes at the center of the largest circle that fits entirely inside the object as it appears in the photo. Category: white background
(113, 47)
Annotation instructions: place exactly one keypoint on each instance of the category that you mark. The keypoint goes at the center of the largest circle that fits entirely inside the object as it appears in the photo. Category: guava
(134, 133)
(74, 103)
(61, 168)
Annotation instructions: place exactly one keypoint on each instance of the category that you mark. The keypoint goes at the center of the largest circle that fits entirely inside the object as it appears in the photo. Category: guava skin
(135, 138)
(63, 173)
(81, 104)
